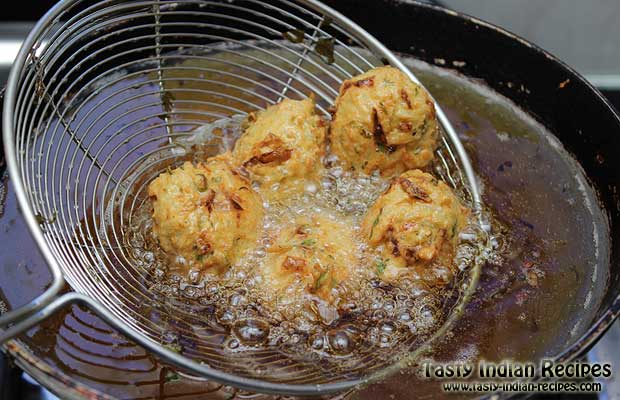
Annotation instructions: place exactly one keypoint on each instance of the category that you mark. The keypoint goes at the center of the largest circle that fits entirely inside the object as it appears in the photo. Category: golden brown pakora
(414, 226)
(383, 121)
(206, 213)
(314, 254)
(282, 147)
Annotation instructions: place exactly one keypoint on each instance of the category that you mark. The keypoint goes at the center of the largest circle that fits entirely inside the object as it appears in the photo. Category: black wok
(542, 86)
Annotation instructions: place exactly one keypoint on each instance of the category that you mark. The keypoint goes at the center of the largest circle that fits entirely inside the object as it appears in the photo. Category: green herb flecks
(327, 21)
(203, 185)
(172, 376)
(294, 35)
(166, 100)
(325, 48)
(167, 104)
(41, 220)
(423, 128)
(365, 134)
(304, 229)
(388, 82)
(177, 348)
(321, 279)
(380, 266)
(375, 223)
(308, 242)
(383, 107)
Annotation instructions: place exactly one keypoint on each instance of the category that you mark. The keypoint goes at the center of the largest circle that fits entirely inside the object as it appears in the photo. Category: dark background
(25, 10)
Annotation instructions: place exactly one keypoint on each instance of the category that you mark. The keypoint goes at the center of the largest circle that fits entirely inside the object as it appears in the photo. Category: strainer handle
(38, 309)
(77, 298)
(39, 303)
(35, 317)
(164, 353)
(43, 299)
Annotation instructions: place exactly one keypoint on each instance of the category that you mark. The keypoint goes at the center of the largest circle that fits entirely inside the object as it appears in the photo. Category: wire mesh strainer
(99, 98)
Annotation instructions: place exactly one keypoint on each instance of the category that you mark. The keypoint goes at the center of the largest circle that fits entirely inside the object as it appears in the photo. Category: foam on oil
(369, 321)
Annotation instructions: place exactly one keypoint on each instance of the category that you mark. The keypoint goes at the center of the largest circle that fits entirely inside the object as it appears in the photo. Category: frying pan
(577, 114)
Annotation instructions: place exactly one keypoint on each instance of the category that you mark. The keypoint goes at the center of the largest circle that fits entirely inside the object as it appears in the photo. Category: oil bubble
(387, 328)
(316, 342)
(379, 315)
(226, 317)
(340, 342)
(251, 332)
(193, 276)
(359, 318)
(405, 317)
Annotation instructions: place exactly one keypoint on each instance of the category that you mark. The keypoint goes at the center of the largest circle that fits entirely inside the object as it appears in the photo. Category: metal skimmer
(98, 97)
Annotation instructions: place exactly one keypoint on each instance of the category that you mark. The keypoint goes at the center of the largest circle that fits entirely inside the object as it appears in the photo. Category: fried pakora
(414, 226)
(207, 213)
(383, 121)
